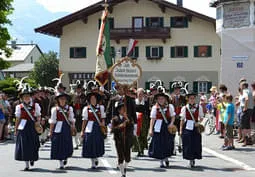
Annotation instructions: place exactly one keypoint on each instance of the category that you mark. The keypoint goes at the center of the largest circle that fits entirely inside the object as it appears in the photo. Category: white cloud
(201, 6)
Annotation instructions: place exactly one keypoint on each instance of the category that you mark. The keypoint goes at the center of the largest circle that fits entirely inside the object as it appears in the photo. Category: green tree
(46, 69)
(5, 10)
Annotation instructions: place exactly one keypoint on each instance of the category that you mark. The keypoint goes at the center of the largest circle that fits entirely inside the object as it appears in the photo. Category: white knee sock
(161, 162)
(61, 163)
(93, 162)
(27, 164)
(122, 169)
(125, 164)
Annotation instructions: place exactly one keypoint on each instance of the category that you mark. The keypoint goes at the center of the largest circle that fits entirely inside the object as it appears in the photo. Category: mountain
(29, 15)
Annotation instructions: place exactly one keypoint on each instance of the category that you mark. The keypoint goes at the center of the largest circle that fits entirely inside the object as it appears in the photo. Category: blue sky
(35, 13)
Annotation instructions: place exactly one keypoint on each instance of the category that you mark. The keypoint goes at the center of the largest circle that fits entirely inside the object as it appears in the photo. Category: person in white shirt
(61, 123)
(191, 115)
(162, 118)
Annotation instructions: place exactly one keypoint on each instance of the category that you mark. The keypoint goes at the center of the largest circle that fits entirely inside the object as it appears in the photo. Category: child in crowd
(229, 123)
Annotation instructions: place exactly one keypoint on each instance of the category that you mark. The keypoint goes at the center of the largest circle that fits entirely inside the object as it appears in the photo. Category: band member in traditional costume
(79, 101)
(190, 130)
(28, 114)
(93, 119)
(121, 137)
(142, 111)
(178, 101)
(62, 123)
(162, 119)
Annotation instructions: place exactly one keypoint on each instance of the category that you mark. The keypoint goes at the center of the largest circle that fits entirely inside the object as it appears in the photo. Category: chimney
(180, 3)
(14, 44)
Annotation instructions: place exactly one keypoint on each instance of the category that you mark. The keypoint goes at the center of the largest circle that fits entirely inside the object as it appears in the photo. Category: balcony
(141, 33)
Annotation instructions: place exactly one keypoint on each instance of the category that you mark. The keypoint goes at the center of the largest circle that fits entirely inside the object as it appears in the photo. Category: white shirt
(154, 111)
(37, 110)
(53, 118)
(183, 112)
(85, 112)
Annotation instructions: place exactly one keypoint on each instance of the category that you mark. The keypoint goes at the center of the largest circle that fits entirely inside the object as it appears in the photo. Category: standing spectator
(229, 123)
(2, 118)
(238, 113)
(221, 108)
(7, 115)
(253, 114)
(247, 105)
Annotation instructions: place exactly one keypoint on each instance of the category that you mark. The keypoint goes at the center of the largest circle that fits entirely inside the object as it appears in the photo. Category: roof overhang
(55, 28)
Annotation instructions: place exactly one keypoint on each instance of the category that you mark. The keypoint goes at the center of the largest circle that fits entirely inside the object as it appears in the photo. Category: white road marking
(229, 159)
(108, 166)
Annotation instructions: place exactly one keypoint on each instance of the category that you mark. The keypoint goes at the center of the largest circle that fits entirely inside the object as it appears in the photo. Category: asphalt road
(215, 162)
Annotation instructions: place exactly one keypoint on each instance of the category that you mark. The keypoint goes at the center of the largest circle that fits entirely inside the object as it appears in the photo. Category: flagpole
(106, 5)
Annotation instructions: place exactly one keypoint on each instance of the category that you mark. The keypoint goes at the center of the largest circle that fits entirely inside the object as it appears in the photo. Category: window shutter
(112, 52)
(84, 52)
(170, 87)
(71, 52)
(172, 21)
(161, 22)
(123, 51)
(161, 52)
(147, 85)
(186, 22)
(195, 51)
(209, 51)
(186, 51)
(136, 52)
(99, 23)
(195, 87)
(147, 22)
(148, 52)
(172, 52)
(209, 86)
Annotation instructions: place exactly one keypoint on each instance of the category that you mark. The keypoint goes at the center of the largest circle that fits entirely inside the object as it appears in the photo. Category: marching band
(133, 117)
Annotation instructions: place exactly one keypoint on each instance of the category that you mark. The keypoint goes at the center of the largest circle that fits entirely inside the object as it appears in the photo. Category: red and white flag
(131, 46)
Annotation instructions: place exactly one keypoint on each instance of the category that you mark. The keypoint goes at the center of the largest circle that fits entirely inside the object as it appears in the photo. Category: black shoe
(93, 167)
(76, 147)
(65, 162)
(61, 168)
(162, 166)
(32, 163)
(96, 162)
(123, 175)
(26, 169)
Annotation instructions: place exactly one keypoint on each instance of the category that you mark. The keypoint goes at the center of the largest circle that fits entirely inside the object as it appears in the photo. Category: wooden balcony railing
(141, 33)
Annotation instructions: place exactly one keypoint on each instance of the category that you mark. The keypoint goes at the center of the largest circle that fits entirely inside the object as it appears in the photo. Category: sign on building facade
(236, 15)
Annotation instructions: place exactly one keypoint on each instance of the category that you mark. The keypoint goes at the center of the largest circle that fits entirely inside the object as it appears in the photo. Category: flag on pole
(104, 60)
(131, 46)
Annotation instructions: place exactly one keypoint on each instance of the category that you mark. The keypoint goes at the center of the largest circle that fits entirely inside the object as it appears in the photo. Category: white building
(175, 43)
(235, 25)
(22, 59)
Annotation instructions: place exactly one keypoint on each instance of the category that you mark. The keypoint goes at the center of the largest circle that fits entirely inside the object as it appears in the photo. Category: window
(203, 51)
(202, 86)
(134, 54)
(111, 23)
(179, 22)
(154, 52)
(32, 61)
(78, 52)
(179, 52)
(154, 22)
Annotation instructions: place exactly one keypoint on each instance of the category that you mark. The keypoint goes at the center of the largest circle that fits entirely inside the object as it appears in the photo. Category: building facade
(22, 59)
(235, 25)
(175, 44)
